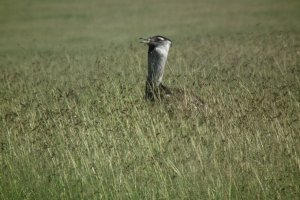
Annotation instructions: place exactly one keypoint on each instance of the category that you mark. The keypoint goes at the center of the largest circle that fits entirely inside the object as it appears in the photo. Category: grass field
(74, 124)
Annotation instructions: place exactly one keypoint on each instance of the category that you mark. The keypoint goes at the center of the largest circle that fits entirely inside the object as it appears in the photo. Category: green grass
(74, 125)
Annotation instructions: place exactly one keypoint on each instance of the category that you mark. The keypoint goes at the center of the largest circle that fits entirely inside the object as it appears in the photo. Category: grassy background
(74, 124)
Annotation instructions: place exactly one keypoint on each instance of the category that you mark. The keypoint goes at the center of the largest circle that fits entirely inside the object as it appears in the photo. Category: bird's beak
(145, 40)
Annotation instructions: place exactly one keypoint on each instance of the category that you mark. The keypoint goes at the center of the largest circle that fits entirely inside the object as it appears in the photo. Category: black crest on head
(157, 38)
(160, 38)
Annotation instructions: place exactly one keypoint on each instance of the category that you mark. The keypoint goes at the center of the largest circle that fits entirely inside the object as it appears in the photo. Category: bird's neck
(157, 59)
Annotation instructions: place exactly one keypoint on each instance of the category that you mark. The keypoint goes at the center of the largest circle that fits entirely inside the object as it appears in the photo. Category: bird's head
(157, 41)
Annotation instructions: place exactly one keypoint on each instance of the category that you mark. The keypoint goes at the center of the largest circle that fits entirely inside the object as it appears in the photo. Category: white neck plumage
(157, 58)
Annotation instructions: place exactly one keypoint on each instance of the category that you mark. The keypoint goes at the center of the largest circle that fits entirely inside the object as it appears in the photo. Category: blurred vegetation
(74, 124)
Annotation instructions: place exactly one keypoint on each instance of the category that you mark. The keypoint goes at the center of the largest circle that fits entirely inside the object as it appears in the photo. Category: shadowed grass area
(74, 124)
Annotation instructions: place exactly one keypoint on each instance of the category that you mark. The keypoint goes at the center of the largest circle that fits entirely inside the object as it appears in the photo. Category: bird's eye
(160, 38)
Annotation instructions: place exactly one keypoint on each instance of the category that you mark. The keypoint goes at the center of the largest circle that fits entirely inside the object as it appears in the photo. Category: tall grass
(74, 124)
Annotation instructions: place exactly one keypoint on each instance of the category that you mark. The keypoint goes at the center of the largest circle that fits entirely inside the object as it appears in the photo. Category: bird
(158, 50)
(155, 90)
